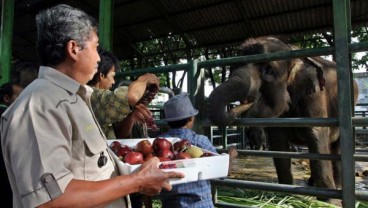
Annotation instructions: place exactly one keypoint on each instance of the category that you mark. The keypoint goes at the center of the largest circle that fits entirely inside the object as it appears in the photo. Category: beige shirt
(51, 129)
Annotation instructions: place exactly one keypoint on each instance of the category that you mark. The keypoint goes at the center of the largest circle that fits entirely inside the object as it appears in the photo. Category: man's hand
(141, 114)
(233, 153)
(154, 178)
(138, 88)
(152, 87)
(149, 79)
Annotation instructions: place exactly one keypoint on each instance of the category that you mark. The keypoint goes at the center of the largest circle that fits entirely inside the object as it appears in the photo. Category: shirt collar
(59, 79)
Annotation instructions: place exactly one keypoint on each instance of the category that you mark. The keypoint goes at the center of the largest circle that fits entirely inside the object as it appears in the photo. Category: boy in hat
(180, 116)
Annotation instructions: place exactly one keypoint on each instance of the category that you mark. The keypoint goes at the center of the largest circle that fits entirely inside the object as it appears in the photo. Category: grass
(252, 198)
(267, 199)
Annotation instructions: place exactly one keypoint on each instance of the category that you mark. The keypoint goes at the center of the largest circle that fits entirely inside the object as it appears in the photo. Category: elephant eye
(266, 69)
(268, 74)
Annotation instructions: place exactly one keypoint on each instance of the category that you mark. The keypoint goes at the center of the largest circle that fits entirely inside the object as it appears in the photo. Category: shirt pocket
(95, 145)
(96, 149)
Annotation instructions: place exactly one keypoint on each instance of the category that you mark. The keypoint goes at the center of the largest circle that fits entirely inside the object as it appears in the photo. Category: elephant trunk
(234, 89)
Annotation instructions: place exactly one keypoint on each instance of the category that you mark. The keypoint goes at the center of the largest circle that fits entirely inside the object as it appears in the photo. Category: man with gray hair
(54, 150)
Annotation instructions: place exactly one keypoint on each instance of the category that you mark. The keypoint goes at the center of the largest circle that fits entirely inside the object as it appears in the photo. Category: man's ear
(7, 99)
(101, 76)
(72, 49)
(191, 119)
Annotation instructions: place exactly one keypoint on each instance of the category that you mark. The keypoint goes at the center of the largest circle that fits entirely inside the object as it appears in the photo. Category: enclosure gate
(342, 50)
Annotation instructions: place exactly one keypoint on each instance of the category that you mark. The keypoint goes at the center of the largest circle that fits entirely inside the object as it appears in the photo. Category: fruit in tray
(133, 158)
(194, 151)
(115, 146)
(161, 143)
(165, 153)
(181, 156)
(181, 145)
(160, 147)
(123, 151)
(144, 147)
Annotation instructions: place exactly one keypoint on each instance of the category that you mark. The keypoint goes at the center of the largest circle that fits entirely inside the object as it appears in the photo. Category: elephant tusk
(241, 108)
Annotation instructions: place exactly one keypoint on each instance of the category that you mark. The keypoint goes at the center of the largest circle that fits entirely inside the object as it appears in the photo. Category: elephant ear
(298, 65)
(319, 69)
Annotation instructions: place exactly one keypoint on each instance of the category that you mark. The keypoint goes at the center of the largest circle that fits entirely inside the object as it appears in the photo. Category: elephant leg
(335, 149)
(283, 169)
(278, 142)
(321, 170)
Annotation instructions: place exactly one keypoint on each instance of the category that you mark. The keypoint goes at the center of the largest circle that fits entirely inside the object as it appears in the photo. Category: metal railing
(348, 157)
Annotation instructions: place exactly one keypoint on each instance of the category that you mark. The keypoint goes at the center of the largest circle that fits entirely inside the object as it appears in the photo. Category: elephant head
(263, 89)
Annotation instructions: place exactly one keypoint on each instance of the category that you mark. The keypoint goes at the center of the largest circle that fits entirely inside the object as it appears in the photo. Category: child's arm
(232, 154)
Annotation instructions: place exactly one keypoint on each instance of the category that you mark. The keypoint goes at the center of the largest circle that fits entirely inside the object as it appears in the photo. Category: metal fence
(342, 50)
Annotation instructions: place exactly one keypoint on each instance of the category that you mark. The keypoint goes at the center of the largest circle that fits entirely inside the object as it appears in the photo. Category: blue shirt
(194, 194)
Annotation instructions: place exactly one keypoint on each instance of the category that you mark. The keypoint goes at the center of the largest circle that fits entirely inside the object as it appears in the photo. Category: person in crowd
(24, 72)
(111, 108)
(54, 150)
(180, 116)
(8, 93)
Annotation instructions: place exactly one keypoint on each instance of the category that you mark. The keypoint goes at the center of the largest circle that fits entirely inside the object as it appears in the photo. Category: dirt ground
(262, 169)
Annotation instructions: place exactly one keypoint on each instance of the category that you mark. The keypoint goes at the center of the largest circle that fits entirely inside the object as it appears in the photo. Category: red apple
(181, 145)
(144, 147)
(207, 154)
(124, 149)
(165, 153)
(148, 157)
(161, 144)
(115, 146)
(181, 156)
(133, 158)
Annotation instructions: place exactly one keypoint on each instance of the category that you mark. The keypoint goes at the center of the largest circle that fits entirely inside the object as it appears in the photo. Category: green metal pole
(6, 39)
(106, 16)
(341, 13)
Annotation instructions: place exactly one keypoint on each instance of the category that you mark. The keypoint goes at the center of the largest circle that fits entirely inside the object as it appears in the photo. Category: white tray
(194, 169)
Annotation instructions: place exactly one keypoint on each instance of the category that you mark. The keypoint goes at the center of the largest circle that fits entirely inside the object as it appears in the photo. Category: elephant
(257, 138)
(291, 88)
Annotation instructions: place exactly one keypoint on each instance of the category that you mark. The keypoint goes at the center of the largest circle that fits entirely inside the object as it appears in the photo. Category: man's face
(107, 81)
(88, 59)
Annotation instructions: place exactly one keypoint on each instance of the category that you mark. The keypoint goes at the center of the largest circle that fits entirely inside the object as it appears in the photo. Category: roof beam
(246, 20)
(157, 4)
(177, 13)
